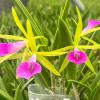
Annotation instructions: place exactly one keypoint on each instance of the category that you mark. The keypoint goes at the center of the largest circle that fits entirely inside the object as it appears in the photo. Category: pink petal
(91, 24)
(28, 69)
(8, 48)
(79, 59)
(33, 58)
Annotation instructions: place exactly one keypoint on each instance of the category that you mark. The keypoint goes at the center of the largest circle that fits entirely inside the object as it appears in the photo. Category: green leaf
(62, 34)
(2, 85)
(78, 29)
(95, 94)
(71, 70)
(88, 63)
(26, 84)
(80, 83)
(64, 11)
(47, 65)
(96, 80)
(17, 21)
(62, 31)
(28, 16)
(64, 65)
(5, 96)
(85, 78)
(18, 95)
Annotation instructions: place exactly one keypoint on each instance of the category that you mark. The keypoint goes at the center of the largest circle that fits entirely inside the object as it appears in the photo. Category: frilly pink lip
(91, 24)
(28, 69)
(8, 48)
(77, 57)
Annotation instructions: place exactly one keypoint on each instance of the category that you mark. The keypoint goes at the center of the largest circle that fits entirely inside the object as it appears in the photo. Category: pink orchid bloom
(77, 57)
(91, 24)
(28, 69)
(9, 48)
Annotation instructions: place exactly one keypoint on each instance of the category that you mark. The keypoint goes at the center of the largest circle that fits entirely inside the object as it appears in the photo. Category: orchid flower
(91, 24)
(29, 68)
(26, 69)
(77, 56)
(8, 48)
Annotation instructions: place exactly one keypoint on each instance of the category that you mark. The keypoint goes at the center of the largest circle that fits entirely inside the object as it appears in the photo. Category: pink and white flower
(9, 48)
(91, 24)
(77, 56)
(28, 69)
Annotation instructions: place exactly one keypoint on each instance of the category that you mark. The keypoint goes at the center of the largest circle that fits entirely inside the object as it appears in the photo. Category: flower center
(31, 67)
(76, 55)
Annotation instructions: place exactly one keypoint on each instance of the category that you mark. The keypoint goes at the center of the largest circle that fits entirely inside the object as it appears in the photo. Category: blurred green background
(46, 12)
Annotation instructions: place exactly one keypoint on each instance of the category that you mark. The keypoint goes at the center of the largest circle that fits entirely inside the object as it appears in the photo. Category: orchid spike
(91, 24)
(29, 68)
(77, 57)
(9, 48)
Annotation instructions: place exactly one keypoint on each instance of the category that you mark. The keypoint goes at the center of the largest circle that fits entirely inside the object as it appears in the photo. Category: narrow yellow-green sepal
(17, 21)
(88, 47)
(64, 49)
(90, 40)
(90, 31)
(29, 29)
(24, 56)
(51, 53)
(90, 66)
(78, 29)
(64, 65)
(19, 55)
(30, 36)
(2, 59)
(11, 37)
(47, 65)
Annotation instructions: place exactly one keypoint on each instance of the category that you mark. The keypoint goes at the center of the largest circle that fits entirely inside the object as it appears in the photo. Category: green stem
(52, 82)
(75, 92)
(63, 86)
(26, 84)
